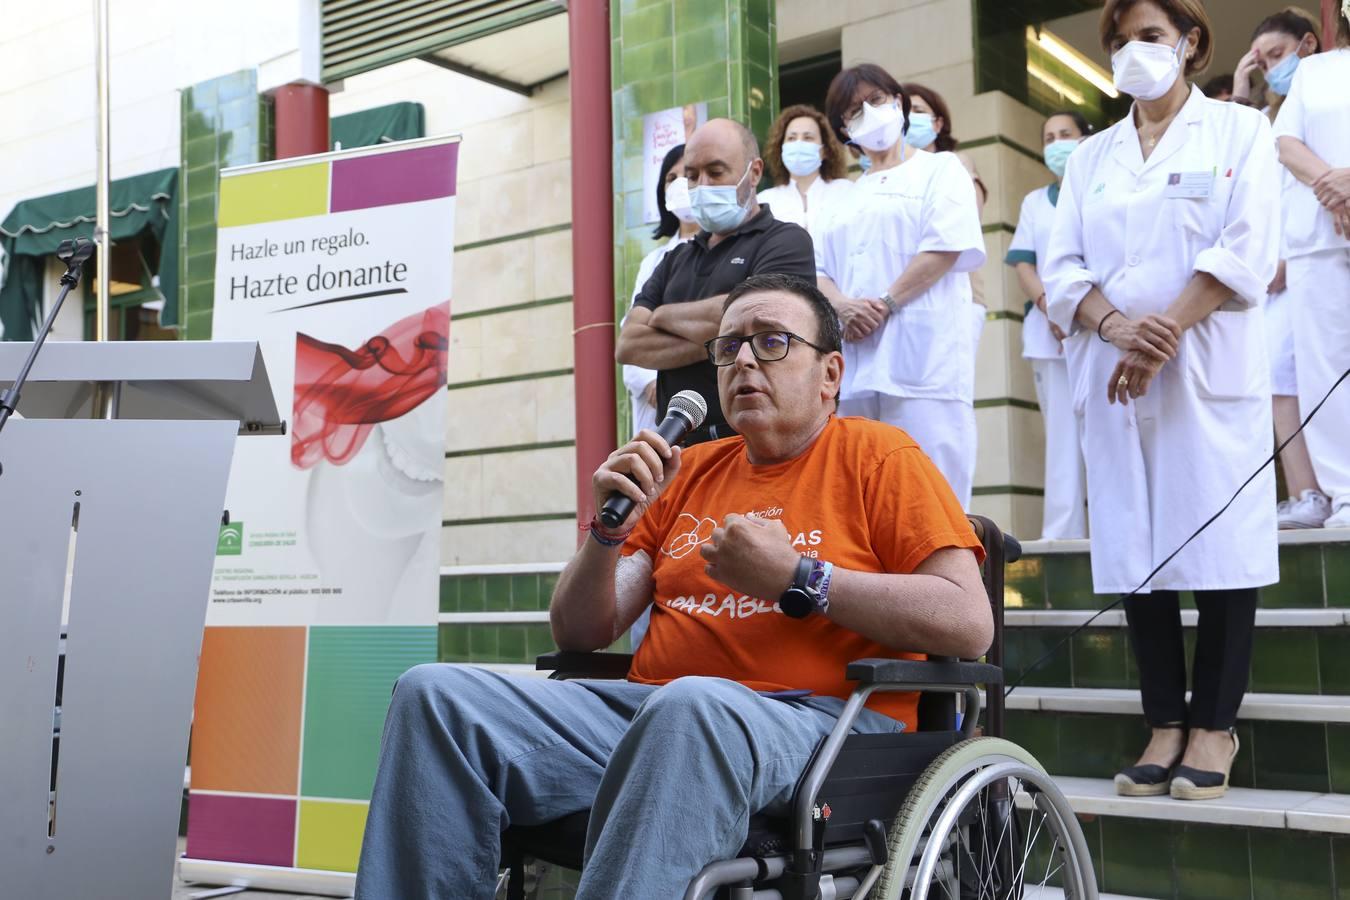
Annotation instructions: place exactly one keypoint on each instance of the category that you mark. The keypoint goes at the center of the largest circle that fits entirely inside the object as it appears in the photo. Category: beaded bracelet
(603, 538)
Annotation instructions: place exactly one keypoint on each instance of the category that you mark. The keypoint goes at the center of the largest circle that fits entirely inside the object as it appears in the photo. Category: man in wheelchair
(731, 691)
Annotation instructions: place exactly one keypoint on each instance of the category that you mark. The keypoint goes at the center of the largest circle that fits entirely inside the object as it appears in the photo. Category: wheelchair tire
(966, 798)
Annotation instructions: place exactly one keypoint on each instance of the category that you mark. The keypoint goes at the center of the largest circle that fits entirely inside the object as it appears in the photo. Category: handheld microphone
(686, 412)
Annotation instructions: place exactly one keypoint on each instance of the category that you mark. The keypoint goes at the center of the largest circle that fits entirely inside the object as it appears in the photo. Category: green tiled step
(1274, 754)
(1286, 660)
(1314, 573)
(1250, 844)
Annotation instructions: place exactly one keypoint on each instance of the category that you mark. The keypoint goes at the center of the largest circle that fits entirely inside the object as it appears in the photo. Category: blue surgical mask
(1057, 156)
(921, 132)
(717, 207)
(1281, 77)
(801, 158)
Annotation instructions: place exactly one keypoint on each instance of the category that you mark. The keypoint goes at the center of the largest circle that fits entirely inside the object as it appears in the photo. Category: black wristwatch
(808, 592)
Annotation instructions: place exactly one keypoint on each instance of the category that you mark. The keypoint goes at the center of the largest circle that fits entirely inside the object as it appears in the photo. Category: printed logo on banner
(230, 541)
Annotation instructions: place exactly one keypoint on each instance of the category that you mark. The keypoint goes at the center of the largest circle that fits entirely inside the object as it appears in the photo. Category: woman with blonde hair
(808, 166)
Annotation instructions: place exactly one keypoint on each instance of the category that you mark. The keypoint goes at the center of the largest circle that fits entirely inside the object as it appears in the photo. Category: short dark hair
(1289, 22)
(669, 225)
(945, 142)
(1080, 120)
(1219, 84)
(846, 84)
(830, 337)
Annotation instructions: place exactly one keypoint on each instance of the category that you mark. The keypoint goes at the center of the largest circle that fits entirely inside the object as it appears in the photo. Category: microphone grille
(692, 404)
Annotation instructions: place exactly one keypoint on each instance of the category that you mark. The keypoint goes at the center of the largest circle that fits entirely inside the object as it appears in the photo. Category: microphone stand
(73, 254)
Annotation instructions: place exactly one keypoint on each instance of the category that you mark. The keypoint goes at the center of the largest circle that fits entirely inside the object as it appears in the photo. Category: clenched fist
(751, 555)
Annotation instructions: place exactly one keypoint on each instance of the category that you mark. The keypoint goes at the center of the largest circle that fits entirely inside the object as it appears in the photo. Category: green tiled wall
(499, 642)
(224, 123)
(1312, 576)
(1150, 858)
(1284, 660)
(668, 53)
(1001, 56)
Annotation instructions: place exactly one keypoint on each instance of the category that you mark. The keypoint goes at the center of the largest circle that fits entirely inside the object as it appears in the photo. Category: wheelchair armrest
(570, 664)
(922, 671)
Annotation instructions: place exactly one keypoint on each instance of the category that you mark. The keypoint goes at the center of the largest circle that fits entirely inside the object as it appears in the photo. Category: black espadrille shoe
(1194, 784)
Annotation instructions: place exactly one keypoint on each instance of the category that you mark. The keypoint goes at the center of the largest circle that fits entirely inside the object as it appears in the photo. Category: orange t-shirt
(863, 497)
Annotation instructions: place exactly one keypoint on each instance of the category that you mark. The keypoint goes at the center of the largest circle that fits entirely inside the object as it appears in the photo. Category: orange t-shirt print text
(863, 497)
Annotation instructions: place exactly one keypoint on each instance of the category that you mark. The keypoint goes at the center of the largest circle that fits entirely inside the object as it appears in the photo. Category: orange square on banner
(246, 727)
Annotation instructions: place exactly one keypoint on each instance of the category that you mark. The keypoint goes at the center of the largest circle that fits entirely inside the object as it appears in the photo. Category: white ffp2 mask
(1146, 71)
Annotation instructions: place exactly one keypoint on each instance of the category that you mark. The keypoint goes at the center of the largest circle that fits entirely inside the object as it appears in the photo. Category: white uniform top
(1030, 244)
(636, 378)
(1161, 466)
(1317, 112)
(822, 199)
(924, 348)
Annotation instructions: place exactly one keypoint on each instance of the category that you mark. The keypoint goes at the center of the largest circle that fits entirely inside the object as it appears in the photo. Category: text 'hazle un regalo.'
(247, 287)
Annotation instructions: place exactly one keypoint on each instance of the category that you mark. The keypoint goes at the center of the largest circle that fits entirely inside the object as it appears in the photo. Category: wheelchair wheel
(985, 822)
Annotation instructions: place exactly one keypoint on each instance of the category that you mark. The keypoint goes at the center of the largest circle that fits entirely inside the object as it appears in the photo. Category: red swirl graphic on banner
(341, 394)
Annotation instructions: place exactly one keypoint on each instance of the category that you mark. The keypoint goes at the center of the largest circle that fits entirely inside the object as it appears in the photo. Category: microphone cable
(1121, 599)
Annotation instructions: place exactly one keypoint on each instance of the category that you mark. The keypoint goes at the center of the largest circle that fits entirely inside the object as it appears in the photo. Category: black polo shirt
(692, 271)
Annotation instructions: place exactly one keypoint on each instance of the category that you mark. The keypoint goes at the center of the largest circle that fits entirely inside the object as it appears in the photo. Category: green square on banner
(230, 541)
(348, 681)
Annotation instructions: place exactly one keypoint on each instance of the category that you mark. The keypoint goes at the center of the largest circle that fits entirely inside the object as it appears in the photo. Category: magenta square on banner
(404, 176)
(259, 830)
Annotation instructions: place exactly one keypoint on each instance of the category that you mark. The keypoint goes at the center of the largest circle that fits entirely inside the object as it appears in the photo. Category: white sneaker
(1341, 517)
(1310, 510)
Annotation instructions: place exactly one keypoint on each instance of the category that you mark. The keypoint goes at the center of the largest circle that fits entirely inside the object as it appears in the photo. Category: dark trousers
(1223, 656)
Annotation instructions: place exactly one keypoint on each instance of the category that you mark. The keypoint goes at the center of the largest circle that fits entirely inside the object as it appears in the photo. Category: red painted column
(301, 112)
(592, 243)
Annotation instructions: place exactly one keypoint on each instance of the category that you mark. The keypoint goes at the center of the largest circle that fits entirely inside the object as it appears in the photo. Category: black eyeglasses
(876, 98)
(767, 346)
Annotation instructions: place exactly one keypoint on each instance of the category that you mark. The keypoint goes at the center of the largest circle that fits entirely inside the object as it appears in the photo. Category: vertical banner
(661, 131)
(326, 576)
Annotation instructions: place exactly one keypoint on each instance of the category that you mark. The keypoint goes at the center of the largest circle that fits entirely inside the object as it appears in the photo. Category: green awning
(395, 122)
(142, 205)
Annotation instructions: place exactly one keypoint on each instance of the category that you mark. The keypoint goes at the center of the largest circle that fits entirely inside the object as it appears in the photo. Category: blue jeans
(671, 775)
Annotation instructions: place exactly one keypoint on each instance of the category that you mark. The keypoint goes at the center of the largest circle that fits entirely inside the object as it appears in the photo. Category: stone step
(1115, 618)
(1292, 742)
(1248, 844)
(1320, 708)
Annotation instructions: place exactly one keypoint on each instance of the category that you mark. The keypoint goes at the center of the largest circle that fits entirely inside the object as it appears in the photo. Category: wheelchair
(938, 813)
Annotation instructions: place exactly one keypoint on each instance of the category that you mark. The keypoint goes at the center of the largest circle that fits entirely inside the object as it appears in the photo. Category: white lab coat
(822, 199)
(1065, 515)
(1317, 112)
(1161, 466)
(1030, 243)
(924, 349)
(636, 378)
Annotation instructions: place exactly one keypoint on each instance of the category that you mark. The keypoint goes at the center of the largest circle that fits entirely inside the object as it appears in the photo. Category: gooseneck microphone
(685, 413)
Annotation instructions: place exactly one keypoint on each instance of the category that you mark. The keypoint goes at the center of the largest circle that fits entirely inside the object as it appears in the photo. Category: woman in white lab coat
(676, 226)
(1165, 239)
(1279, 45)
(1313, 128)
(1065, 516)
(930, 128)
(894, 262)
(809, 168)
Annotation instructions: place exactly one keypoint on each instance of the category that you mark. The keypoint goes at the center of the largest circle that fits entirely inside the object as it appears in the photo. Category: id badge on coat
(1189, 185)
